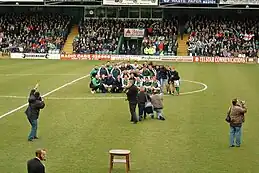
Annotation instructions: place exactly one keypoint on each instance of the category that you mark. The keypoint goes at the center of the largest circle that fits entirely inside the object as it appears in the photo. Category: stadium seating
(223, 37)
(101, 36)
(35, 33)
(161, 38)
(98, 36)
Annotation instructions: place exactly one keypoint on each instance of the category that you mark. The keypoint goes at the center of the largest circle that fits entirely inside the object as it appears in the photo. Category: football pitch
(79, 128)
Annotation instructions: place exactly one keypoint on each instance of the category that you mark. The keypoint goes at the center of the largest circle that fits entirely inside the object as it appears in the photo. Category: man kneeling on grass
(157, 102)
(108, 83)
(96, 84)
(143, 98)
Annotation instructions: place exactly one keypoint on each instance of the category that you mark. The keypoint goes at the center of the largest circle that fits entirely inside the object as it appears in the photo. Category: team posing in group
(143, 84)
(115, 78)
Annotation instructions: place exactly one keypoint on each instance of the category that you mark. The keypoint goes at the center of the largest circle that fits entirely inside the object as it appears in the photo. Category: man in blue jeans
(236, 118)
(162, 76)
(35, 104)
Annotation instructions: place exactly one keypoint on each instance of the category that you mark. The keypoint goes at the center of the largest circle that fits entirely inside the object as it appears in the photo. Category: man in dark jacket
(132, 93)
(129, 66)
(33, 110)
(103, 71)
(110, 82)
(176, 81)
(118, 85)
(34, 165)
(104, 83)
(142, 98)
(163, 76)
(116, 72)
(170, 88)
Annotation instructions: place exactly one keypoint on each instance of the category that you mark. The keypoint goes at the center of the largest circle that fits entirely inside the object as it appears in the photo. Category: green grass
(79, 133)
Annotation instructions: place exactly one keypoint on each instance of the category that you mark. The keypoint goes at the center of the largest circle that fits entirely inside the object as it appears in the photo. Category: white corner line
(48, 93)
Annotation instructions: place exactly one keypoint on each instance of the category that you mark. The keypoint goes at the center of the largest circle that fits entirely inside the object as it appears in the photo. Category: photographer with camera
(235, 117)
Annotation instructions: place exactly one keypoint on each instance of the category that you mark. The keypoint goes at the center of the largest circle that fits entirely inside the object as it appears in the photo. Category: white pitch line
(59, 88)
(66, 98)
(108, 97)
(22, 106)
(197, 91)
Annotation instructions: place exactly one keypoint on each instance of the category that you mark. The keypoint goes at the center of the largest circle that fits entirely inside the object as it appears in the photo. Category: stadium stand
(101, 36)
(223, 37)
(33, 33)
(98, 36)
(161, 38)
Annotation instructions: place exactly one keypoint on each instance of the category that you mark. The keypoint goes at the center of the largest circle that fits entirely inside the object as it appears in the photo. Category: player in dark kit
(176, 81)
(170, 87)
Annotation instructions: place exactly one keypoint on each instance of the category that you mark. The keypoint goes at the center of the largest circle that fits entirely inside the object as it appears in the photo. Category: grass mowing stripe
(52, 91)
(63, 86)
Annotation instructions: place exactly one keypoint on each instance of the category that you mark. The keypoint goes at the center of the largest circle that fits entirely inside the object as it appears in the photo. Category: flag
(248, 37)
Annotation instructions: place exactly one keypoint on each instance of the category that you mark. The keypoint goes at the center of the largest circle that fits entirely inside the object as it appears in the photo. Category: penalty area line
(44, 95)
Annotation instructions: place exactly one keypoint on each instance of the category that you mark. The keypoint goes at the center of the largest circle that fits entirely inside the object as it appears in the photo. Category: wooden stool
(123, 153)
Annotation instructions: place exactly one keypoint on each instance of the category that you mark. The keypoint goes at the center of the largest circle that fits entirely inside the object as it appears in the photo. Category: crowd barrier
(195, 59)
(34, 56)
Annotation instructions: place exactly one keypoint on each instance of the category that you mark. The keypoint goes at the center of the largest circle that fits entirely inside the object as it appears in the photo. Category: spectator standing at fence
(35, 165)
(132, 92)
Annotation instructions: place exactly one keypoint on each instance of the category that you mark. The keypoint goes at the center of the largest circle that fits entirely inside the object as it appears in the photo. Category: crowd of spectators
(223, 37)
(47, 33)
(161, 38)
(99, 36)
(33, 33)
